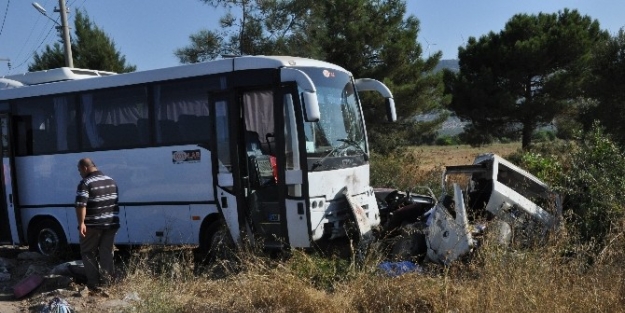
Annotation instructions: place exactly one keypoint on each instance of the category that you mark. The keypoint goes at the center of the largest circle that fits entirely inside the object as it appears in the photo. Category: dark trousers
(96, 249)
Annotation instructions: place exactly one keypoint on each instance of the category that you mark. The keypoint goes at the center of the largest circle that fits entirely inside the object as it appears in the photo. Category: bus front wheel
(47, 237)
(216, 243)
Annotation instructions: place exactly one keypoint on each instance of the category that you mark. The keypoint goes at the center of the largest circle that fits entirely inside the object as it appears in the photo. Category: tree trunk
(526, 137)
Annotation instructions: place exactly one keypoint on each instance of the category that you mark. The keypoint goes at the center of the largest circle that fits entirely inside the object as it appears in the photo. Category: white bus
(265, 145)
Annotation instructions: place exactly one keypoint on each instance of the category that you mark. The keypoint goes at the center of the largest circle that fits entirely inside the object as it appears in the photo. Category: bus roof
(56, 75)
(65, 80)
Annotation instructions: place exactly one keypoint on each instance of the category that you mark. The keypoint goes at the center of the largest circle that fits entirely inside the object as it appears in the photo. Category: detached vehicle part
(491, 194)
(403, 217)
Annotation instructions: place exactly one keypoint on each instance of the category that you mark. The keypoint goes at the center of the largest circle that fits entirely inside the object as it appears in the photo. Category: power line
(32, 29)
(6, 11)
(35, 51)
(41, 38)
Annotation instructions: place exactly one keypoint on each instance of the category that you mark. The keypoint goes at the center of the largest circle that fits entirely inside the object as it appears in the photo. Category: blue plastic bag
(398, 268)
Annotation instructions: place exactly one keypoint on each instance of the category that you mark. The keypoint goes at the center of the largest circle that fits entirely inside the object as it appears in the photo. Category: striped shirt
(98, 193)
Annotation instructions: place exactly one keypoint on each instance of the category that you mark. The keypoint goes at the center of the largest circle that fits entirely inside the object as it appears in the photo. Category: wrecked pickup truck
(490, 196)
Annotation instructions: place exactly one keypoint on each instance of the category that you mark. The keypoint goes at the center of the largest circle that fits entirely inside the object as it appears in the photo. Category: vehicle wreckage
(491, 196)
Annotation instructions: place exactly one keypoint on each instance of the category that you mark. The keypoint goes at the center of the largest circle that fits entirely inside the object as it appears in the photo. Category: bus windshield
(340, 131)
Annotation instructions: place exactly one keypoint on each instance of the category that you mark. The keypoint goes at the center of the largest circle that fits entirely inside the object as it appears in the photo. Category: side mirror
(308, 95)
(391, 115)
(368, 84)
(311, 105)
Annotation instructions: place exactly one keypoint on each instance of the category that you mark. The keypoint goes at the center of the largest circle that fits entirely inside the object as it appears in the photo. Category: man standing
(98, 221)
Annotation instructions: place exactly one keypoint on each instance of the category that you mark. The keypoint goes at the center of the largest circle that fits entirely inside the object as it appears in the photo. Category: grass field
(423, 165)
(431, 157)
(554, 277)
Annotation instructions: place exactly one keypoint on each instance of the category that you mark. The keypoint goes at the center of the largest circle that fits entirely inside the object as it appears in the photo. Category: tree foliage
(521, 78)
(369, 38)
(606, 88)
(91, 49)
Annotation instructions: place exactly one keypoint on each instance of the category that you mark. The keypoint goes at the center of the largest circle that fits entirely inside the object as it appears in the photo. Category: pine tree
(91, 49)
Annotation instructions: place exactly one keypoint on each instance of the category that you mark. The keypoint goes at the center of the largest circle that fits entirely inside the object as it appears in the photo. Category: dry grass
(423, 165)
(556, 277)
(433, 157)
(495, 280)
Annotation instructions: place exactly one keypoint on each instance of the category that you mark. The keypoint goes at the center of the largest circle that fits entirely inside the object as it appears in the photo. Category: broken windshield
(340, 131)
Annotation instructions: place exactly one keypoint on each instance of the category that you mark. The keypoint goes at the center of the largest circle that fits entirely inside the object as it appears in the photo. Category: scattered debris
(398, 268)
(30, 255)
(26, 285)
(57, 305)
(74, 269)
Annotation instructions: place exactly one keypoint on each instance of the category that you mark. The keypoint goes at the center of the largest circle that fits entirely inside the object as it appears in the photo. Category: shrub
(593, 185)
(543, 135)
(447, 140)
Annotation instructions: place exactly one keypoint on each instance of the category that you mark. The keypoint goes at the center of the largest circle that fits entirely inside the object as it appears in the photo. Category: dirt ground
(24, 263)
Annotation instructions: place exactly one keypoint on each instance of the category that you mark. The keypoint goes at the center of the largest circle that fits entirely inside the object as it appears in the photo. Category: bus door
(9, 217)
(257, 164)
(223, 144)
(273, 176)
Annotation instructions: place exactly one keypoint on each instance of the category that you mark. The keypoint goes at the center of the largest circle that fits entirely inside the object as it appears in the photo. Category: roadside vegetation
(579, 269)
(495, 280)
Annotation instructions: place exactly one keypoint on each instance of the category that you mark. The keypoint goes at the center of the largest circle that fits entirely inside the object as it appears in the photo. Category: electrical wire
(32, 29)
(6, 11)
(41, 39)
(78, 7)
(35, 50)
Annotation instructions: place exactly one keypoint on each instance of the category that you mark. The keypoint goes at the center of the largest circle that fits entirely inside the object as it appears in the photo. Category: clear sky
(147, 32)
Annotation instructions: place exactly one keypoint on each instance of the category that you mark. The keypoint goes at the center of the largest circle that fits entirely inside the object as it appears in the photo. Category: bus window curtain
(157, 105)
(258, 112)
(60, 112)
(89, 121)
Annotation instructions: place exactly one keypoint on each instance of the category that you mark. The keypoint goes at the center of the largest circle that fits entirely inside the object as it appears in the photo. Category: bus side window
(111, 117)
(169, 132)
(143, 128)
(194, 128)
(23, 135)
(122, 135)
(43, 141)
(72, 138)
(35, 124)
(181, 112)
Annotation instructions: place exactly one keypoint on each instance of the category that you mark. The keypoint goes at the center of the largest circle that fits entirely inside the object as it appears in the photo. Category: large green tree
(91, 49)
(521, 78)
(605, 87)
(369, 38)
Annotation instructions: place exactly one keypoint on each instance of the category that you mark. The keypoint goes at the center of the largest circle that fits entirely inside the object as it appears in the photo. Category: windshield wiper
(355, 144)
(346, 143)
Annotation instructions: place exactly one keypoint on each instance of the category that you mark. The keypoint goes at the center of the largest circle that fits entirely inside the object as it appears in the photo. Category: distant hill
(451, 64)
(451, 127)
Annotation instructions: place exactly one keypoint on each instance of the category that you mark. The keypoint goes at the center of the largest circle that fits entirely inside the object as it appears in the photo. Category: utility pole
(69, 62)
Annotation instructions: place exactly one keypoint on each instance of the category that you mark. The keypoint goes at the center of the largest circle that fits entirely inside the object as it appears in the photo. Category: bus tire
(215, 243)
(47, 237)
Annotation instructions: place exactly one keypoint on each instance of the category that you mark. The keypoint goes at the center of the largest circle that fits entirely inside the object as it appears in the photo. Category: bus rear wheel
(47, 237)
